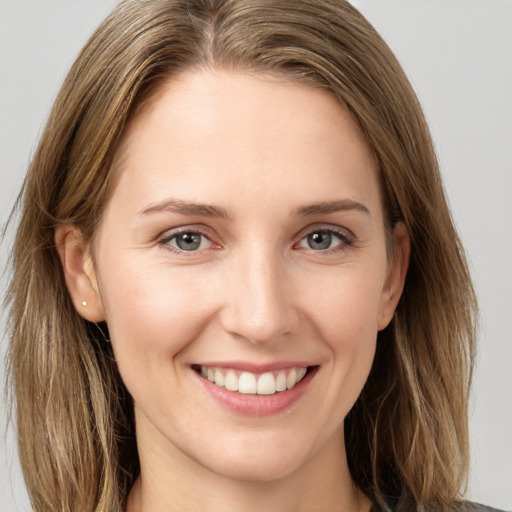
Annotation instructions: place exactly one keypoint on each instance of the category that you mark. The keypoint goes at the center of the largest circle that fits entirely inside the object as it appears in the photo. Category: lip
(257, 405)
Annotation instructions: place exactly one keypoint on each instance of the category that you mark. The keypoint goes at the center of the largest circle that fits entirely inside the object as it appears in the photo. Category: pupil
(188, 241)
(320, 240)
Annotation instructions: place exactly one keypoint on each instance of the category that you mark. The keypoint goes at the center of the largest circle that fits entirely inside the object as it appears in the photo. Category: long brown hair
(407, 435)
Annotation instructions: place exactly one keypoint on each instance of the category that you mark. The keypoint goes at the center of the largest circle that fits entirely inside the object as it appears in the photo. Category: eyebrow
(185, 208)
(332, 207)
(205, 210)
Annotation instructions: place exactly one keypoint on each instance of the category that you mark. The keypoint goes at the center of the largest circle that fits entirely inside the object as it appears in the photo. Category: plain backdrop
(458, 55)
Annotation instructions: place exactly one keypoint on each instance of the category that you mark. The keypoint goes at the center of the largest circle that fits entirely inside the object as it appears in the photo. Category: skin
(260, 149)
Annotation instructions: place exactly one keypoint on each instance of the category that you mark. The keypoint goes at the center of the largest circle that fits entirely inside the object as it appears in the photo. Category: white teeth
(291, 380)
(281, 381)
(247, 383)
(219, 378)
(267, 383)
(231, 381)
(301, 372)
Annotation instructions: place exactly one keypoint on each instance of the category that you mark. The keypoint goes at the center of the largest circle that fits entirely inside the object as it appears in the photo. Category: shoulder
(482, 508)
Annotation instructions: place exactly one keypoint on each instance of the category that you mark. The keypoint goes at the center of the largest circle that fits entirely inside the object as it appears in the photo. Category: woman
(254, 296)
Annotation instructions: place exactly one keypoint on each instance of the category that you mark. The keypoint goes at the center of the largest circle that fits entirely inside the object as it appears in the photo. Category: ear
(79, 272)
(397, 270)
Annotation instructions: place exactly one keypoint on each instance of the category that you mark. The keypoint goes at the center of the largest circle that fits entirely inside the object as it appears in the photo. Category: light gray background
(458, 54)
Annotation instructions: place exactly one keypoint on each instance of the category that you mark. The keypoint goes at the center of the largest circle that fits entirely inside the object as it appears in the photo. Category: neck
(173, 482)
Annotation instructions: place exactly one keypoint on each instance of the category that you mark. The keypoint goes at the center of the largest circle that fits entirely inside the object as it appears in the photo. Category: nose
(259, 299)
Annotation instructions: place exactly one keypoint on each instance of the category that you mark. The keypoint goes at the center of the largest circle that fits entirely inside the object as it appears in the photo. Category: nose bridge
(258, 306)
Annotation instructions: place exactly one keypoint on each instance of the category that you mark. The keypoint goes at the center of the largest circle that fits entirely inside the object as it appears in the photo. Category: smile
(245, 382)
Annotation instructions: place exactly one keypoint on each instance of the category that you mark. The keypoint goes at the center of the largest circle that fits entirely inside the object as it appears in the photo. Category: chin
(259, 458)
(268, 470)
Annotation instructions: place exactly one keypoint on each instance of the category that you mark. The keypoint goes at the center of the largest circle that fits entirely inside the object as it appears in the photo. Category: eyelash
(346, 240)
(167, 237)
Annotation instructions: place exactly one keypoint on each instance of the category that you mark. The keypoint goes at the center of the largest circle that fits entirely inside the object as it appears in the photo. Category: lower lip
(258, 405)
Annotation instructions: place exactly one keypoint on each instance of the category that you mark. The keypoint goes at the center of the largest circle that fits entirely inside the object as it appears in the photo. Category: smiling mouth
(268, 383)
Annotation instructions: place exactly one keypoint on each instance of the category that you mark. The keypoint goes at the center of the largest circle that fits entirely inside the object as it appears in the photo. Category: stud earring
(84, 303)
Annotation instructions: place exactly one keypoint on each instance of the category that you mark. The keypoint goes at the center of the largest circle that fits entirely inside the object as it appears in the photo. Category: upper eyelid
(344, 239)
(164, 240)
(338, 230)
(343, 232)
(171, 233)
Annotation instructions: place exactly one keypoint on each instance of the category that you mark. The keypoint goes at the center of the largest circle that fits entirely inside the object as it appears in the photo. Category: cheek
(152, 313)
(338, 310)
(345, 303)
(344, 312)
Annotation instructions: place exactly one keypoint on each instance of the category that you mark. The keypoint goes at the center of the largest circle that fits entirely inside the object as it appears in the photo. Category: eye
(323, 240)
(188, 241)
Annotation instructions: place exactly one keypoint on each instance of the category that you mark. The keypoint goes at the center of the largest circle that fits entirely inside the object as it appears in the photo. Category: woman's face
(244, 243)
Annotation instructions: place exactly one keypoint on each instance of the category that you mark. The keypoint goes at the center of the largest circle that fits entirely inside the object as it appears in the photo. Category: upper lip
(246, 366)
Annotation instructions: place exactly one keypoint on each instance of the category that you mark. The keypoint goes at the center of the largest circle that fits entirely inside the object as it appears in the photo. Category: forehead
(211, 128)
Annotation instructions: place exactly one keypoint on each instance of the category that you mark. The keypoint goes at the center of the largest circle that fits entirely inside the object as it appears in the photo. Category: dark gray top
(476, 508)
